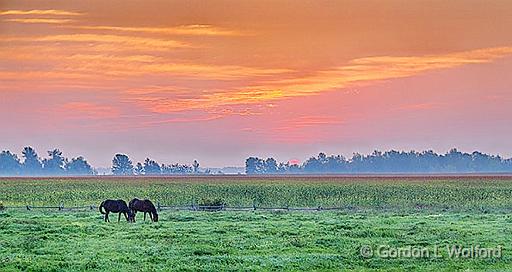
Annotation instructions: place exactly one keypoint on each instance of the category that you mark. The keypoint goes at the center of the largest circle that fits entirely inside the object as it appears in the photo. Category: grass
(292, 241)
(394, 212)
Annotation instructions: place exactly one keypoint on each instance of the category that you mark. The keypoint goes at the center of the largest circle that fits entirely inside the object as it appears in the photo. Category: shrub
(216, 204)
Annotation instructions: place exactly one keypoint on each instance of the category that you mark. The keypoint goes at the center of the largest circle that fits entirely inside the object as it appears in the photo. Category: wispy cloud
(200, 30)
(362, 71)
(39, 21)
(133, 42)
(41, 12)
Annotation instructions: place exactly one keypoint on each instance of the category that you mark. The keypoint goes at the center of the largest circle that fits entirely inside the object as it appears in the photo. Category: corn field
(362, 193)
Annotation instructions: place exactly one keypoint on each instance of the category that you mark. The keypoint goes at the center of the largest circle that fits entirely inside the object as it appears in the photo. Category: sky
(219, 81)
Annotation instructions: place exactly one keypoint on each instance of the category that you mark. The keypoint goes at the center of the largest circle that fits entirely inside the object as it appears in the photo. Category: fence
(191, 207)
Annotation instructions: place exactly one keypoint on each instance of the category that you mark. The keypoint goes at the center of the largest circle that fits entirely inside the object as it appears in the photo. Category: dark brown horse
(145, 206)
(116, 206)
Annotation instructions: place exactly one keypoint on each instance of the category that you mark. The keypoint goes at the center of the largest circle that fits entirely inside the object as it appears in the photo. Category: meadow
(426, 212)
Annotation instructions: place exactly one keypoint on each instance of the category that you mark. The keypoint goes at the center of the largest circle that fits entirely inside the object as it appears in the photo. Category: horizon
(223, 81)
(297, 161)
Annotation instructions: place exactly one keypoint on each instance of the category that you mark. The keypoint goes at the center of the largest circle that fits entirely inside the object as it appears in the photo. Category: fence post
(193, 207)
(254, 205)
(61, 206)
(28, 208)
(158, 205)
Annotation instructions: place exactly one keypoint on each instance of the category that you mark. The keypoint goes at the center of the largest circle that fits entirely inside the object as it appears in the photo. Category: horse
(116, 206)
(146, 206)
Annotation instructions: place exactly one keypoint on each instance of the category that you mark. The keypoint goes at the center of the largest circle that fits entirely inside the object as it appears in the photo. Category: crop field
(372, 212)
(350, 193)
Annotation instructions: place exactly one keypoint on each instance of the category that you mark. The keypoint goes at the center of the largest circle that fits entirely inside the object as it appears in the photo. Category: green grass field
(390, 212)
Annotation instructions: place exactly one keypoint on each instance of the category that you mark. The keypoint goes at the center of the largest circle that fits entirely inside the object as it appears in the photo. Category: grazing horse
(116, 206)
(146, 206)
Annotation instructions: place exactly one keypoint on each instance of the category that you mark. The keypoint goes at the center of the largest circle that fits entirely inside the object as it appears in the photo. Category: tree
(9, 164)
(139, 169)
(196, 166)
(121, 165)
(313, 165)
(270, 166)
(254, 165)
(32, 164)
(151, 167)
(78, 166)
(55, 164)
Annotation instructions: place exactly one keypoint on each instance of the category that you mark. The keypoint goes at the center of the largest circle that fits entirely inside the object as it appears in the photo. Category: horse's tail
(101, 207)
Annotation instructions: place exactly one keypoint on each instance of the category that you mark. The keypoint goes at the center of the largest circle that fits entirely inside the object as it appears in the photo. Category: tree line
(454, 161)
(123, 166)
(30, 164)
(392, 161)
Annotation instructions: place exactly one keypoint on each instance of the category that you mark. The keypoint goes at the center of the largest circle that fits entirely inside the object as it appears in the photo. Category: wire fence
(160, 207)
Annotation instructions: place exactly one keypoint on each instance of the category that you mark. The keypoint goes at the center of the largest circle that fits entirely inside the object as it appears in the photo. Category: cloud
(41, 12)
(39, 21)
(200, 30)
(130, 41)
(369, 70)
(119, 61)
(357, 72)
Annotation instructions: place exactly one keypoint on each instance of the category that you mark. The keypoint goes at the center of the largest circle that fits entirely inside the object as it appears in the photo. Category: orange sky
(222, 80)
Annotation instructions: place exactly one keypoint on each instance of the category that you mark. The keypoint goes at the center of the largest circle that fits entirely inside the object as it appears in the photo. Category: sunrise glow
(286, 79)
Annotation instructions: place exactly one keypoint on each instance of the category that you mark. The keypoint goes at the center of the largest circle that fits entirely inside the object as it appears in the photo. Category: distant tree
(151, 167)
(270, 166)
(54, 165)
(391, 161)
(254, 165)
(121, 165)
(78, 166)
(9, 164)
(195, 165)
(176, 169)
(139, 169)
(294, 168)
(31, 164)
(313, 165)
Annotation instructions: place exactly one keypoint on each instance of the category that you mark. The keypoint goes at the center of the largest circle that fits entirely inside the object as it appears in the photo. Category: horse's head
(155, 217)
(131, 216)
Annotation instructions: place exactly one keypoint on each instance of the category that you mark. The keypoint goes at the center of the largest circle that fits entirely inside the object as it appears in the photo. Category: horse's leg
(151, 216)
(144, 216)
(106, 216)
(125, 216)
(119, 218)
